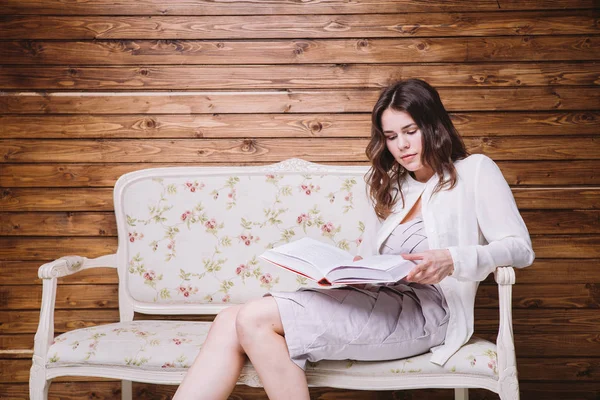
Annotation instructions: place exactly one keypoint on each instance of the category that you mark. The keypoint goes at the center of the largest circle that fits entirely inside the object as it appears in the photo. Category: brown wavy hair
(442, 144)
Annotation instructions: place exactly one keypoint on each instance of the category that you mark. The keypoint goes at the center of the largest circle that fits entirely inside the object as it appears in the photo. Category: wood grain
(142, 391)
(177, 151)
(306, 51)
(556, 345)
(550, 173)
(9, 343)
(566, 246)
(59, 224)
(526, 321)
(32, 248)
(233, 125)
(257, 7)
(106, 174)
(555, 368)
(290, 101)
(100, 199)
(90, 297)
(69, 297)
(517, 173)
(225, 82)
(562, 123)
(26, 273)
(564, 198)
(306, 26)
(273, 150)
(559, 222)
(204, 77)
(26, 322)
(523, 123)
(72, 199)
(560, 270)
(111, 391)
(543, 296)
(13, 371)
(15, 248)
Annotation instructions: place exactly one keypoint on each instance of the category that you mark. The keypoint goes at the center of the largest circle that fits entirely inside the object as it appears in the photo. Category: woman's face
(404, 141)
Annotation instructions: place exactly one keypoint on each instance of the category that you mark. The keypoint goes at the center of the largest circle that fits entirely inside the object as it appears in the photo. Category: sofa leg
(126, 390)
(508, 386)
(38, 385)
(461, 394)
(38, 391)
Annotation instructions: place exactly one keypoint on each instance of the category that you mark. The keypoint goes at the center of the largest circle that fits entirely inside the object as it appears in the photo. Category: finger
(431, 279)
(437, 277)
(357, 258)
(416, 273)
(427, 279)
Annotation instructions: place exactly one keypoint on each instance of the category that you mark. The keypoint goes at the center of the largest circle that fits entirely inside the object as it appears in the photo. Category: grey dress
(379, 322)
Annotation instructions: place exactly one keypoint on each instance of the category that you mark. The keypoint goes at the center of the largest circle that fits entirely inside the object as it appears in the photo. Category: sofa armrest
(507, 360)
(505, 275)
(49, 273)
(68, 265)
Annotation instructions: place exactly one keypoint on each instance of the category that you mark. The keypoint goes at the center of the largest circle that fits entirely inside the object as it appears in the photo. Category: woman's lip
(408, 155)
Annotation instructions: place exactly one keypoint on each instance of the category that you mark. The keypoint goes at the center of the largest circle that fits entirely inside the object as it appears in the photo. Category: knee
(225, 320)
(252, 321)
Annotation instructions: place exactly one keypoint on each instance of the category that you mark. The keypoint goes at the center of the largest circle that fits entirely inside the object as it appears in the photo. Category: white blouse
(477, 221)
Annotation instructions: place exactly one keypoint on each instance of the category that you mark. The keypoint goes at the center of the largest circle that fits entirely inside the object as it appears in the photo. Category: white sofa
(189, 238)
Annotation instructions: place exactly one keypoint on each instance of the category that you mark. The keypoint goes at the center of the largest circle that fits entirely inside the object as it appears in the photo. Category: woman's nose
(403, 143)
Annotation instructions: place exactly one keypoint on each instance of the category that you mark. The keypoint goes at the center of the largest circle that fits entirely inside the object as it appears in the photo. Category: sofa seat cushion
(139, 344)
(477, 357)
(173, 345)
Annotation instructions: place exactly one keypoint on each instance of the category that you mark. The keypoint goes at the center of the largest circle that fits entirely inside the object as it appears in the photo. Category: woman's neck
(422, 175)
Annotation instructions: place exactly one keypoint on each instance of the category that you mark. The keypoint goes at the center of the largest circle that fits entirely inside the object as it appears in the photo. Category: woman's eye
(411, 132)
(392, 137)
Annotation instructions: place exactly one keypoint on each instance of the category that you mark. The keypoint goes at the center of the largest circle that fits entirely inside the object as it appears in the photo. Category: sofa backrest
(190, 237)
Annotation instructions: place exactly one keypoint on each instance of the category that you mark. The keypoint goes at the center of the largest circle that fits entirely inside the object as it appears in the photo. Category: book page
(375, 269)
(381, 262)
(322, 256)
(293, 264)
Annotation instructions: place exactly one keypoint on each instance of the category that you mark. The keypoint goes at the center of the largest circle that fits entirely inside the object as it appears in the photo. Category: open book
(329, 265)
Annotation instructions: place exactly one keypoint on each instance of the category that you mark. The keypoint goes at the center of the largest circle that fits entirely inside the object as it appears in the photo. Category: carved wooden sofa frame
(188, 241)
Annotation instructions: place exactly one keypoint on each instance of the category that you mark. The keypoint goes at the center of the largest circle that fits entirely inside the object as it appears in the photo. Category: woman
(451, 213)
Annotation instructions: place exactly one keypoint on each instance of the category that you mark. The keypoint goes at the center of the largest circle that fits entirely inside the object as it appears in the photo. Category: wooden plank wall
(94, 89)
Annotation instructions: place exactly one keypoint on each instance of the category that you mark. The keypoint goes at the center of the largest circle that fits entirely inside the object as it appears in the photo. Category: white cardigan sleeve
(508, 241)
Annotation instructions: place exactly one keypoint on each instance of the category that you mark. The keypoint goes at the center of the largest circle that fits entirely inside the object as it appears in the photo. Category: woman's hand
(432, 267)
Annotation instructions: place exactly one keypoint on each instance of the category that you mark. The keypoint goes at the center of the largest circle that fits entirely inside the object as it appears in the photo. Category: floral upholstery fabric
(171, 345)
(141, 344)
(197, 239)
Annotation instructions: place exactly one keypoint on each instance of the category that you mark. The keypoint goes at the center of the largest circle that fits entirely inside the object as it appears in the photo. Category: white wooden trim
(249, 377)
(44, 335)
(126, 390)
(69, 265)
(507, 359)
(461, 394)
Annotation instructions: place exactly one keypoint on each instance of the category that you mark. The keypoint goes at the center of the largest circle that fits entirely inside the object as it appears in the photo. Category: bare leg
(260, 333)
(217, 368)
